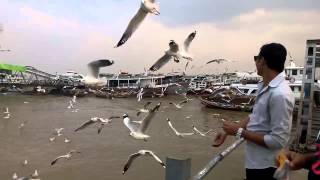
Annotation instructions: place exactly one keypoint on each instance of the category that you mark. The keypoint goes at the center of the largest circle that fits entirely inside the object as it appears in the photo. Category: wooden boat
(228, 98)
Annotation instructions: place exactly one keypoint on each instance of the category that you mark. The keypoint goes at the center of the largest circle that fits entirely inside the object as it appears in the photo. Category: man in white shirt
(267, 129)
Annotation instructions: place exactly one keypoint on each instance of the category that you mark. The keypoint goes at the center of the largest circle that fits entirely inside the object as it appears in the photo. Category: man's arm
(243, 123)
(231, 128)
(221, 136)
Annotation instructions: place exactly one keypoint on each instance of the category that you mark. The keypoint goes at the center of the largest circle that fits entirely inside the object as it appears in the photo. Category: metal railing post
(216, 159)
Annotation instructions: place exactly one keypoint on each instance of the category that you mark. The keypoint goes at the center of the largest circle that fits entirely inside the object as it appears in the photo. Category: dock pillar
(178, 169)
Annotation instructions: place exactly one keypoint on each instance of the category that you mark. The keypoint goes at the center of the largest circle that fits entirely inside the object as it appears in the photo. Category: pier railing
(216, 159)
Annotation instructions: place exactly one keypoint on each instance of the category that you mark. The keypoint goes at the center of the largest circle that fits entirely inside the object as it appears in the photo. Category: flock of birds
(174, 52)
(137, 130)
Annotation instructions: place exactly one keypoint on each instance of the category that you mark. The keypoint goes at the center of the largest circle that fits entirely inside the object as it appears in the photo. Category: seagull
(179, 105)
(105, 121)
(7, 111)
(217, 61)
(25, 162)
(185, 68)
(146, 7)
(7, 116)
(174, 52)
(58, 131)
(52, 139)
(132, 157)
(199, 132)
(23, 124)
(26, 102)
(70, 105)
(67, 156)
(94, 68)
(96, 120)
(139, 95)
(178, 133)
(163, 89)
(15, 177)
(35, 175)
(144, 109)
(74, 98)
(67, 140)
(138, 132)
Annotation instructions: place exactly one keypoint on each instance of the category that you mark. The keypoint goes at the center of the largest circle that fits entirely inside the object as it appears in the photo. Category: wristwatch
(239, 133)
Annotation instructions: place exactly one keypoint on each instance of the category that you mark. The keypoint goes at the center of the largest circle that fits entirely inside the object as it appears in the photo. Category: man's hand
(219, 139)
(297, 161)
(230, 128)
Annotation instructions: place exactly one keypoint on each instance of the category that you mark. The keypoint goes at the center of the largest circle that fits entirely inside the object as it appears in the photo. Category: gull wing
(131, 158)
(161, 62)
(133, 25)
(182, 102)
(100, 128)
(114, 117)
(211, 61)
(146, 105)
(188, 41)
(146, 121)
(84, 125)
(95, 66)
(171, 126)
(156, 158)
(185, 68)
(201, 133)
(55, 160)
(129, 125)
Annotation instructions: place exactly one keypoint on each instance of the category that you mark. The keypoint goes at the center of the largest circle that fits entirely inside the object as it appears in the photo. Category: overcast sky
(60, 35)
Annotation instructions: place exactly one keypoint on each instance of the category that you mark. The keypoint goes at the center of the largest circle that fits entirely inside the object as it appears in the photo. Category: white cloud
(59, 44)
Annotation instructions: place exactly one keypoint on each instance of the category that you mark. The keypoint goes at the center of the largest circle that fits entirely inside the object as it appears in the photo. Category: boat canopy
(11, 67)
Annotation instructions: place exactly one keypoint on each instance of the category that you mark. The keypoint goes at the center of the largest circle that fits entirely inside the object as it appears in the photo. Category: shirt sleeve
(280, 111)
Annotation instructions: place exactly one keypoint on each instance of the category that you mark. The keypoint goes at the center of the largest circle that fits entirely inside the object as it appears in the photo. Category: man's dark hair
(275, 56)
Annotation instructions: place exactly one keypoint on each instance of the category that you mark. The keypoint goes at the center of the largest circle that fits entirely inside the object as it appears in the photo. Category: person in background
(267, 129)
(309, 161)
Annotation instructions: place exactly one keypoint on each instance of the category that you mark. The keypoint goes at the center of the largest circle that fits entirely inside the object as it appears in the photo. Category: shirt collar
(277, 80)
(274, 83)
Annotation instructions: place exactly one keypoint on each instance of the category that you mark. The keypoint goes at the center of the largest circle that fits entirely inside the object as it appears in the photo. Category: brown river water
(104, 155)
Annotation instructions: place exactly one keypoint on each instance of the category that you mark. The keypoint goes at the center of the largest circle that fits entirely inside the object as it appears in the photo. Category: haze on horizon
(56, 36)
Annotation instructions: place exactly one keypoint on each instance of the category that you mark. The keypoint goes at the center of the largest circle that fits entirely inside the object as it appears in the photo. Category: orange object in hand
(281, 158)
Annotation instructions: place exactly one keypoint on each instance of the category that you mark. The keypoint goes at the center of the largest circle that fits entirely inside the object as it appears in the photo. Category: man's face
(259, 64)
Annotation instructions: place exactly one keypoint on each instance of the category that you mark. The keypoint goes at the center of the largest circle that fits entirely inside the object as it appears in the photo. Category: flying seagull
(179, 105)
(176, 132)
(163, 90)
(217, 61)
(132, 157)
(7, 111)
(146, 7)
(140, 94)
(96, 120)
(67, 140)
(70, 105)
(7, 116)
(138, 132)
(144, 109)
(67, 156)
(58, 131)
(94, 67)
(197, 131)
(174, 52)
